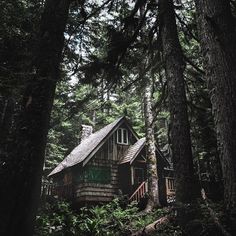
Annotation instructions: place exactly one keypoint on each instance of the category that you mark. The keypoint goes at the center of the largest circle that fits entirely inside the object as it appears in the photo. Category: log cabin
(109, 163)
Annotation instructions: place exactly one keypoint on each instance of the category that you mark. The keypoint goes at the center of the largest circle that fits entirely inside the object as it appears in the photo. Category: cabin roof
(85, 148)
(133, 151)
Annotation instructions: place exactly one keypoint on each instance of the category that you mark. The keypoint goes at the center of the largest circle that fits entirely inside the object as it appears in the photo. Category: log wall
(98, 181)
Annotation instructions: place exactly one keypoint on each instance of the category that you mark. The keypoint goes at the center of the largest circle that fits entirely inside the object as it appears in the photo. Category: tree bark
(6, 113)
(218, 43)
(153, 200)
(180, 128)
(22, 188)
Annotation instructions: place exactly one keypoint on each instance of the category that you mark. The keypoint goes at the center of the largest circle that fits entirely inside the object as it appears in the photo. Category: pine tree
(217, 34)
(22, 188)
(153, 200)
(180, 129)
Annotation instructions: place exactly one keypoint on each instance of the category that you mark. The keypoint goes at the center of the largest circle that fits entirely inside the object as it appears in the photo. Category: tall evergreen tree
(153, 200)
(22, 189)
(180, 130)
(217, 32)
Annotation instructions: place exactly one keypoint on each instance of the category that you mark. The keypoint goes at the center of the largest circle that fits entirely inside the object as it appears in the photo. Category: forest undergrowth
(57, 218)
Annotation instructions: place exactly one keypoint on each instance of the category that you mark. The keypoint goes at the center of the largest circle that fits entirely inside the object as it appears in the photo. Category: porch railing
(139, 192)
(47, 189)
(62, 191)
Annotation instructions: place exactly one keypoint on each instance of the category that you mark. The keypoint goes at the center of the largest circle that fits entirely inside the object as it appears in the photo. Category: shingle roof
(84, 149)
(133, 151)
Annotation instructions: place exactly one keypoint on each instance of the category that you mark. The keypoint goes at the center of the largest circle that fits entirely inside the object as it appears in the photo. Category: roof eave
(137, 153)
(122, 120)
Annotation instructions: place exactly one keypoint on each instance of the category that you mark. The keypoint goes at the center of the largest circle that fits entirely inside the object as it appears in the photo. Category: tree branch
(187, 27)
(188, 60)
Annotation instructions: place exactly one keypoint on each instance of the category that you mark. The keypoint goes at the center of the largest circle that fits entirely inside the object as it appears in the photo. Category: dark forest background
(64, 63)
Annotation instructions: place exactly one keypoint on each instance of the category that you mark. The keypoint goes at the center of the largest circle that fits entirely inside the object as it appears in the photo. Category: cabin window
(122, 136)
(95, 174)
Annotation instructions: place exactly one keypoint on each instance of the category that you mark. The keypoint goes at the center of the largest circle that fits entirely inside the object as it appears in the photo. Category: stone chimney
(87, 130)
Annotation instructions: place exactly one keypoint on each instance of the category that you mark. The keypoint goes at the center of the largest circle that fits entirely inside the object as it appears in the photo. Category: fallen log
(151, 228)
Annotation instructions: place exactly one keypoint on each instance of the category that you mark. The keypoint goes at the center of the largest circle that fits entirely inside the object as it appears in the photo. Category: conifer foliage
(64, 63)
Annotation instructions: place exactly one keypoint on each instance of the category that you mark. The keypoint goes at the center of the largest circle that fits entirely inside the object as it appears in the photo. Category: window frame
(123, 132)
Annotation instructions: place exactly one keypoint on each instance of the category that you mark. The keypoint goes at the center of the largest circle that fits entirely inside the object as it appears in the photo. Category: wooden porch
(140, 192)
(60, 191)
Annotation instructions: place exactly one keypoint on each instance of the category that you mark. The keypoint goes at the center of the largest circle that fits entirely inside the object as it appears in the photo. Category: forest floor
(58, 219)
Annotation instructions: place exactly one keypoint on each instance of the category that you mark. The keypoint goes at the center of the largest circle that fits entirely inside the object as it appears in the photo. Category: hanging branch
(148, 68)
(87, 17)
(187, 27)
(191, 63)
(134, 36)
(158, 104)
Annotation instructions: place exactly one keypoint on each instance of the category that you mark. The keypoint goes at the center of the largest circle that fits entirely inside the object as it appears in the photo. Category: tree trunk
(180, 128)
(153, 200)
(6, 122)
(218, 42)
(6, 113)
(22, 189)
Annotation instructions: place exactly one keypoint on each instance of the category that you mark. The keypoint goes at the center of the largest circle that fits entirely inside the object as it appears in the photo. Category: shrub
(56, 218)
(109, 219)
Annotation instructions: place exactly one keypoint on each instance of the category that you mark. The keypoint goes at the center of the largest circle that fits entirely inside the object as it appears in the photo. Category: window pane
(122, 136)
(95, 174)
(125, 138)
(119, 138)
(170, 184)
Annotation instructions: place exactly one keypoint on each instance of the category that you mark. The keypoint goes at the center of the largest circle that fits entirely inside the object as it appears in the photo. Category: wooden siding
(138, 164)
(127, 183)
(161, 181)
(94, 188)
(102, 177)
(107, 158)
